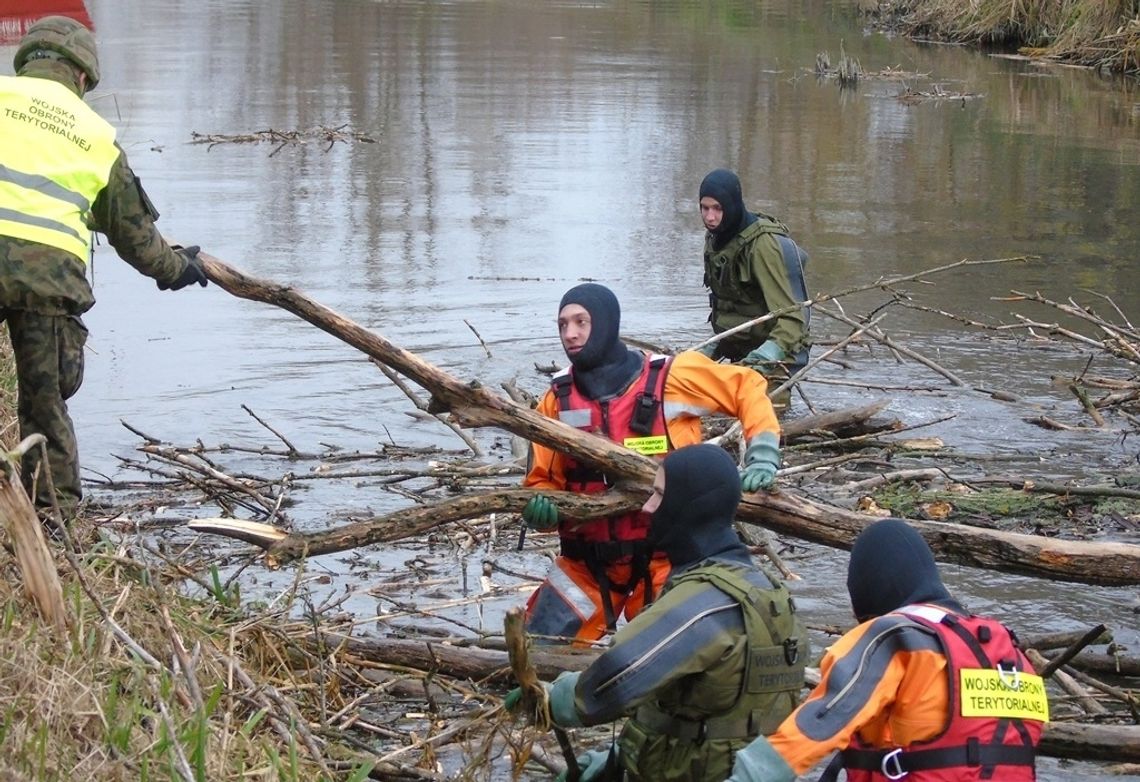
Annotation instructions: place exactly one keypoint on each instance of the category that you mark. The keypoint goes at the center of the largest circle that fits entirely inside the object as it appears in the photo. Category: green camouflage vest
(677, 739)
(735, 296)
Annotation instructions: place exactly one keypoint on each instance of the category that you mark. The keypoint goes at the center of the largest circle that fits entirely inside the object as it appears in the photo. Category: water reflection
(523, 147)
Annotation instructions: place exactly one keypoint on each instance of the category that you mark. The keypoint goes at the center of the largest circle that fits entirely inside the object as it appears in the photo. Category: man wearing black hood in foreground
(921, 689)
(752, 268)
(717, 660)
(647, 403)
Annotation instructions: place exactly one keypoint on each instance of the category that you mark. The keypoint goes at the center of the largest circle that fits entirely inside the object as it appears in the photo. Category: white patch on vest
(577, 418)
(931, 614)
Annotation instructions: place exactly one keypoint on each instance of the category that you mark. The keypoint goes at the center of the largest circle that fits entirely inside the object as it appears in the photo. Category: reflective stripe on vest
(47, 127)
(969, 748)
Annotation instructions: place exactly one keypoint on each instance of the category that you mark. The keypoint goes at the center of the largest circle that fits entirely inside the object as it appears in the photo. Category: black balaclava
(694, 520)
(604, 366)
(891, 566)
(724, 186)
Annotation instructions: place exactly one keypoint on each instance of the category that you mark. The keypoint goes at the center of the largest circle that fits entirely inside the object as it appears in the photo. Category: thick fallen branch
(474, 405)
(1034, 555)
(463, 662)
(1081, 741)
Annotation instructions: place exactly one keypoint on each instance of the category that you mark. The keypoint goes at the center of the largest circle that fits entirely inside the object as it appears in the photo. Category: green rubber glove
(560, 693)
(540, 513)
(593, 764)
(758, 762)
(761, 460)
(766, 354)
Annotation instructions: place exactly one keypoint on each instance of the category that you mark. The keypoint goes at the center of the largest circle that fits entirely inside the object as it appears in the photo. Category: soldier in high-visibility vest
(62, 175)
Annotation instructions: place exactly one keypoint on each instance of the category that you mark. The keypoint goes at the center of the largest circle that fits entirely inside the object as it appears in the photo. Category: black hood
(694, 520)
(891, 566)
(604, 366)
(724, 186)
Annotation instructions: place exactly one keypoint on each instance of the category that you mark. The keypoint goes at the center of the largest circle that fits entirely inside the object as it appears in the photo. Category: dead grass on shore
(1100, 33)
(145, 684)
(9, 428)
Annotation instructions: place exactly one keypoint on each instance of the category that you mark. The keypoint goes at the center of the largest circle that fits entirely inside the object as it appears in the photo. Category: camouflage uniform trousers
(49, 369)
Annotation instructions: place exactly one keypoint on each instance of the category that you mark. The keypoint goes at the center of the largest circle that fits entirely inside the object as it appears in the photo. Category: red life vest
(985, 669)
(635, 419)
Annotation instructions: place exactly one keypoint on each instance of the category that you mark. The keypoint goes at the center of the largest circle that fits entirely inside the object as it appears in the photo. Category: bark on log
(1107, 664)
(418, 519)
(472, 404)
(463, 662)
(1081, 741)
(1049, 641)
(838, 421)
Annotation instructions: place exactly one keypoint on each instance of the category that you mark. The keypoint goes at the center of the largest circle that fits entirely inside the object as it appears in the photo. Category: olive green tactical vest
(678, 738)
(736, 296)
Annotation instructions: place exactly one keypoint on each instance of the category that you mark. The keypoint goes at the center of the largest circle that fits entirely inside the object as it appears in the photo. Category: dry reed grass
(1100, 33)
(9, 430)
(138, 687)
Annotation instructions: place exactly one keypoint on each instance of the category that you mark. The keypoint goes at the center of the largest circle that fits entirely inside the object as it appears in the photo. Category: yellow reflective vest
(56, 155)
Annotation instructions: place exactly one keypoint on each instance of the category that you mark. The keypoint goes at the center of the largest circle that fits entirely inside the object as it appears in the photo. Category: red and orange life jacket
(635, 419)
(997, 710)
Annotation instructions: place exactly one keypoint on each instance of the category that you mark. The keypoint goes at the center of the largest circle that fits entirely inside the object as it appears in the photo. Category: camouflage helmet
(64, 36)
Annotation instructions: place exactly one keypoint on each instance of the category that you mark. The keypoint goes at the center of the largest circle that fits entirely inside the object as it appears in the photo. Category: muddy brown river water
(521, 147)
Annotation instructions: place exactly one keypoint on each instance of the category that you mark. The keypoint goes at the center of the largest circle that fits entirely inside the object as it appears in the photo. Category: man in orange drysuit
(920, 689)
(651, 404)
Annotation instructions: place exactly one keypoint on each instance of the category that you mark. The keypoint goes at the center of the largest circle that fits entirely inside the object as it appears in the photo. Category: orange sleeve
(698, 386)
(546, 467)
(880, 680)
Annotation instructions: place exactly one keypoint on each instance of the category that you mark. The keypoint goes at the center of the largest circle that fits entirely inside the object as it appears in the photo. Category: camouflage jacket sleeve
(123, 213)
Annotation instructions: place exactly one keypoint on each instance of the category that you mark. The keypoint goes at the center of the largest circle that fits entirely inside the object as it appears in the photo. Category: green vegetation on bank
(1104, 34)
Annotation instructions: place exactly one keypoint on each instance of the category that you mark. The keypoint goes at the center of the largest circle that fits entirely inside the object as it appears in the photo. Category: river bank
(1101, 34)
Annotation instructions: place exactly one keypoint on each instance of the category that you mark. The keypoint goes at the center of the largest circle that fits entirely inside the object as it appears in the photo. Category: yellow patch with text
(647, 446)
(990, 693)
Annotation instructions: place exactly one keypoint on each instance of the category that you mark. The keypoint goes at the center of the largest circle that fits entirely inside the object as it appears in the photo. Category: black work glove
(192, 273)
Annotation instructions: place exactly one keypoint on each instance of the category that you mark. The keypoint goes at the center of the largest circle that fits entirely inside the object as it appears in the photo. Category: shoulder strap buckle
(645, 408)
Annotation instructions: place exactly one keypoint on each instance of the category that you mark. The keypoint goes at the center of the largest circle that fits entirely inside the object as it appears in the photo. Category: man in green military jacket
(717, 658)
(62, 174)
(752, 267)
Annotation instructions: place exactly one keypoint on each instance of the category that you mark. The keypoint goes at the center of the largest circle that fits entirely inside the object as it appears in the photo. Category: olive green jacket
(748, 278)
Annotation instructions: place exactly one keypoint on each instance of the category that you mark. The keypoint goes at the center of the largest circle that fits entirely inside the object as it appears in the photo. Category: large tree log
(837, 421)
(463, 662)
(474, 405)
(1081, 741)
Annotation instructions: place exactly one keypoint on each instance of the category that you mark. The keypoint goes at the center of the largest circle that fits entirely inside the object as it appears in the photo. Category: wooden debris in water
(937, 93)
(283, 138)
